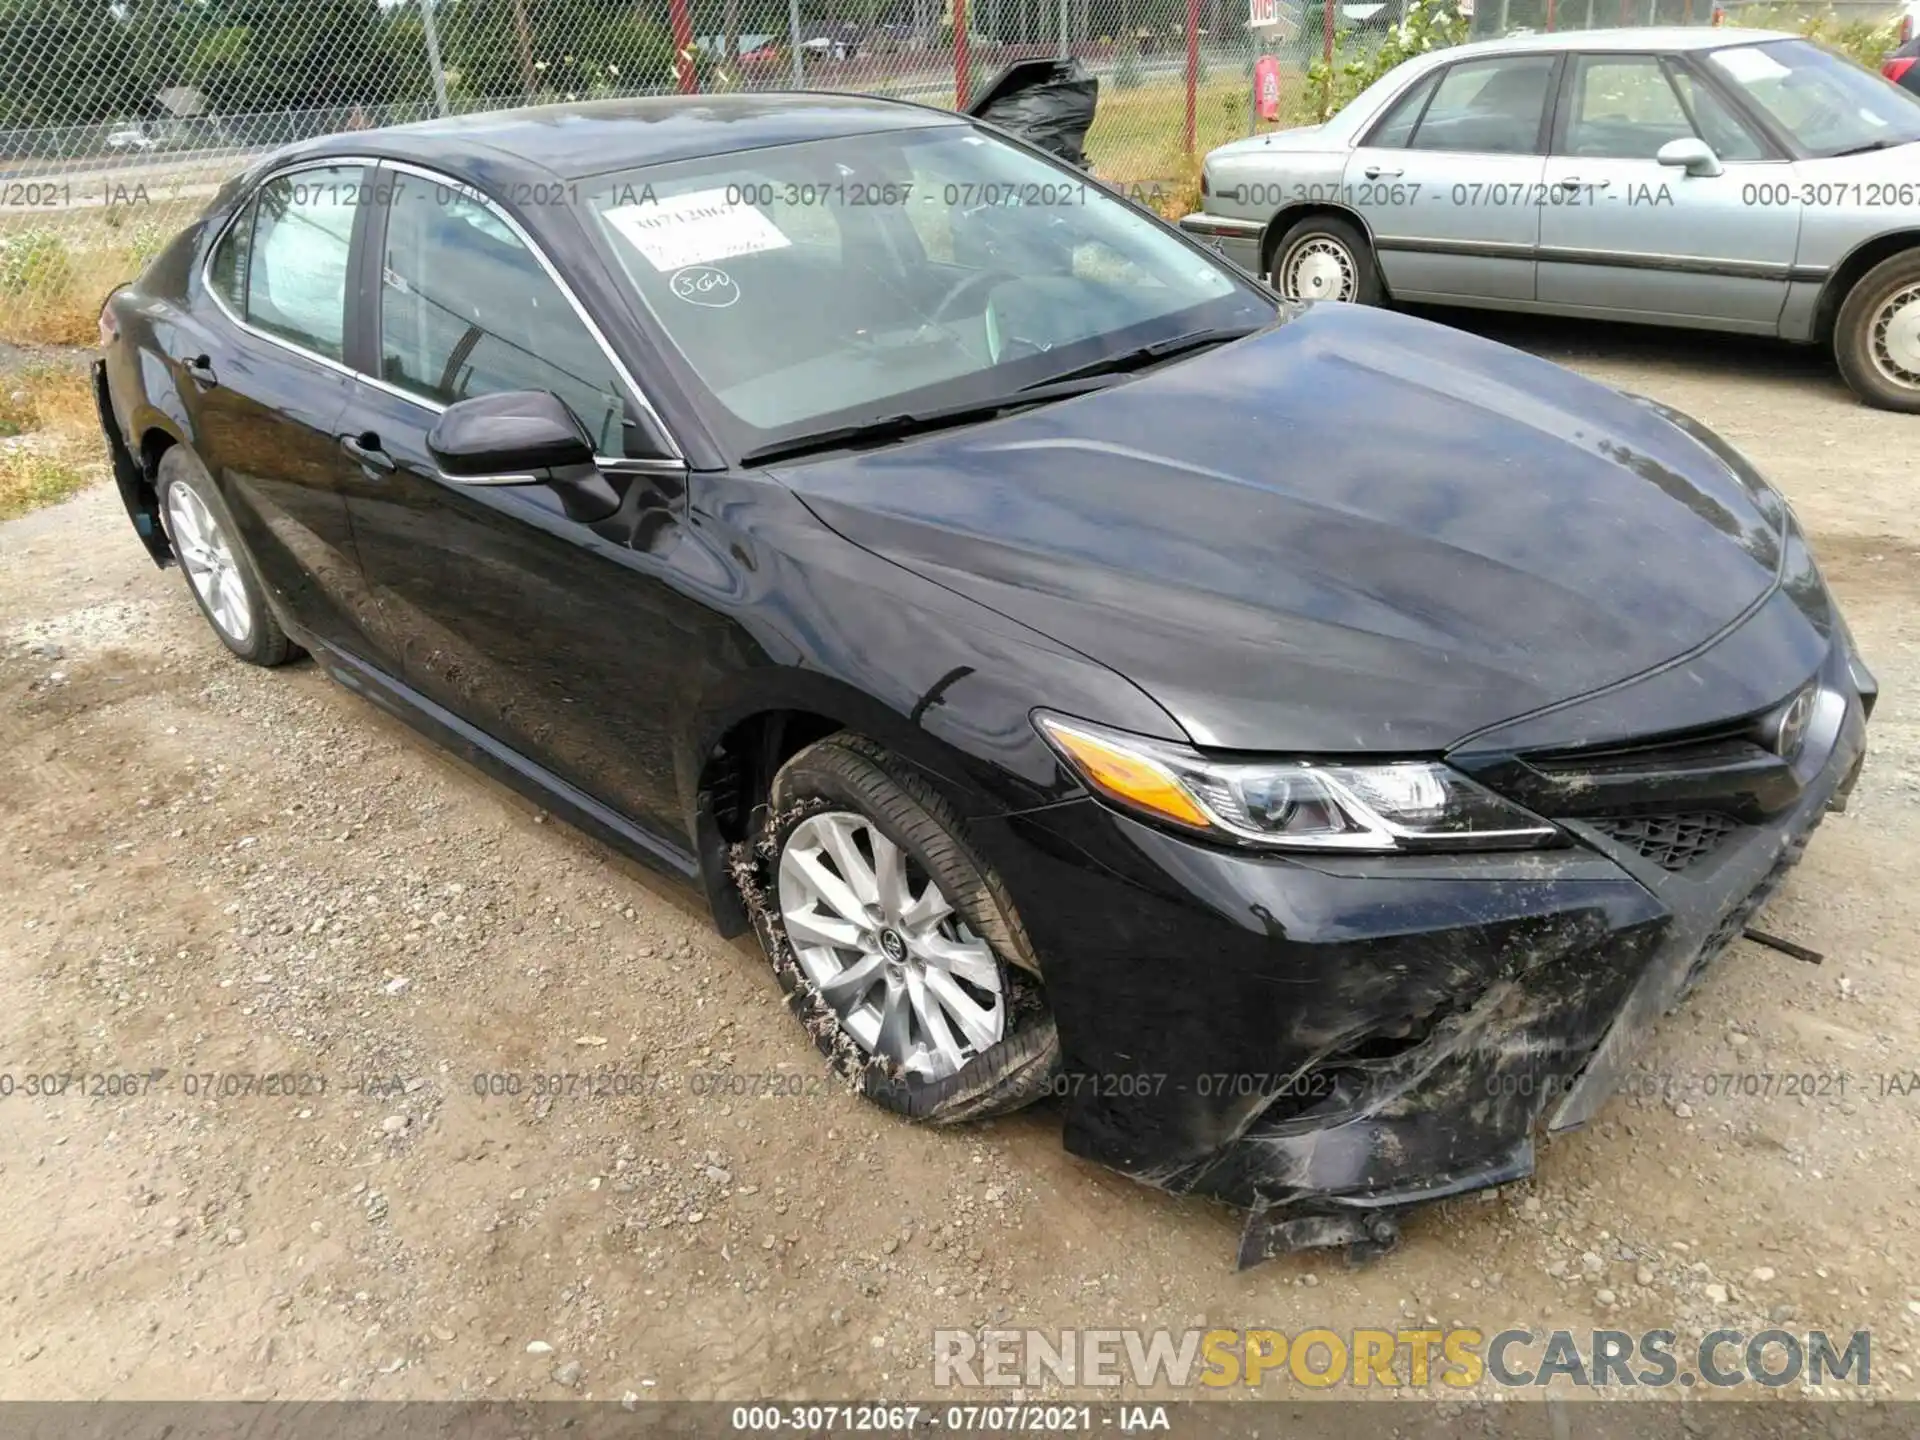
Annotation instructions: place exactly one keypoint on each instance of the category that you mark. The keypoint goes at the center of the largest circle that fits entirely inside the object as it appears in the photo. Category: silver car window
(1488, 107)
(1713, 121)
(1396, 127)
(1621, 107)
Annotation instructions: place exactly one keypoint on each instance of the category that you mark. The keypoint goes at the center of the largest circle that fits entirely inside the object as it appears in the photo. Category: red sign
(1266, 87)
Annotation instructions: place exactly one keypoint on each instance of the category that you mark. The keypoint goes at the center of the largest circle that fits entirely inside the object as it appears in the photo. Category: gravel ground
(213, 869)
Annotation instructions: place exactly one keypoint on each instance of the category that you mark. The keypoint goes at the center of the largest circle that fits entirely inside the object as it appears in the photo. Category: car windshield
(1830, 106)
(827, 283)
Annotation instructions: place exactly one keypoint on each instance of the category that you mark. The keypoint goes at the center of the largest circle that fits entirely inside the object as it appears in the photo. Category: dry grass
(50, 443)
(51, 295)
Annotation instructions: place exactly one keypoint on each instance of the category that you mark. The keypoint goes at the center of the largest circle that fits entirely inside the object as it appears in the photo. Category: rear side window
(292, 246)
(1488, 107)
(466, 309)
(1396, 129)
(227, 275)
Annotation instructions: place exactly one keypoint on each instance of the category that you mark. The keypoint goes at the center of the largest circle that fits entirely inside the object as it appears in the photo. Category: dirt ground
(212, 869)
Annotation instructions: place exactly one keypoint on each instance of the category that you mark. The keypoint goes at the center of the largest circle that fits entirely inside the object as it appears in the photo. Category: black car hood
(1357, 531)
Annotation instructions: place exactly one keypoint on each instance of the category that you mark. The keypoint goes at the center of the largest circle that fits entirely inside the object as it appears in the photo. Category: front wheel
(1876, 338)
(1326, 258)
(898, 945)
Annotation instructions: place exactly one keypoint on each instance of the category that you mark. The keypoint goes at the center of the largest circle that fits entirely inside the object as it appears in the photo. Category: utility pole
(433, 56)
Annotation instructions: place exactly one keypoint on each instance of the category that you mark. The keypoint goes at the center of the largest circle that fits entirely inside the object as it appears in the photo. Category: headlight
(1296, 804)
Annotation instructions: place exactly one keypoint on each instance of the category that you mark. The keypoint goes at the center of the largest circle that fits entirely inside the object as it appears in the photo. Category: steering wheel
(964, 289)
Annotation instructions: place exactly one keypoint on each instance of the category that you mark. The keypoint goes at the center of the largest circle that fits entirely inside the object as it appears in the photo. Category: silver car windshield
(901, 269)
(1830, 106)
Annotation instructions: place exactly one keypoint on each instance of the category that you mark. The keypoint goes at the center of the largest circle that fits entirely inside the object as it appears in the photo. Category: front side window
(296, 259)
(1622, 108)
(831, 282)
(1829, 106)
(1488, 107)
(466, 309)
(1713, 121)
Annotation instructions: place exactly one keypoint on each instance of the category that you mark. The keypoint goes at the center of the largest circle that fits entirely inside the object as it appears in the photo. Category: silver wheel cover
(1319, 267)
(912, 985)
(207, 557)
(1893, 338)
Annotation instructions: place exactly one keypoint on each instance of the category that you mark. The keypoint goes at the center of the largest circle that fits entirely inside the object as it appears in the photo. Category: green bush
(1427, 25)
(34, 263)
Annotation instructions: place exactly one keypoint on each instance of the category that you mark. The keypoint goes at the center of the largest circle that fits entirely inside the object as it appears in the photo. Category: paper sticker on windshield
(704, 285)
(1748, 65)
(696, 229)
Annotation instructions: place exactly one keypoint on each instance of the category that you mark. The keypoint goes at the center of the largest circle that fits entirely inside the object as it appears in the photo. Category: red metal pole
(683, 70)
(1327, 54)
(961, 89)
(1193, 68)
(1549, 17)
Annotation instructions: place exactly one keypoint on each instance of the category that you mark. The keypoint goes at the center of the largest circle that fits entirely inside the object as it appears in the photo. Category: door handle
(366, 449)
(1374, 172)
(200, 371)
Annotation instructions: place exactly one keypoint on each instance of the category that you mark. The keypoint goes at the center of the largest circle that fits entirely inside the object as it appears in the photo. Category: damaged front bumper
(1328, 1042)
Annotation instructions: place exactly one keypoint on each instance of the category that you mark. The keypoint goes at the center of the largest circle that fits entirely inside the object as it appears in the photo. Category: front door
(1624, 235)
(1449, 180)
(542, 621)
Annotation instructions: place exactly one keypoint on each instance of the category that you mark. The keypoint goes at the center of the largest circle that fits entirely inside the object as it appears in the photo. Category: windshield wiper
(1159, 350)
(921, 422)
(1872, 145)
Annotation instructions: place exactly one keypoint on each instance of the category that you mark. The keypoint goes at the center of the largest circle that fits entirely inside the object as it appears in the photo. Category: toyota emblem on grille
(1790, 729)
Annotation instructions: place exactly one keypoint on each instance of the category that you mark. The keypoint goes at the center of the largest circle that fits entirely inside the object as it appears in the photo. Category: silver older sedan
(1714, 178)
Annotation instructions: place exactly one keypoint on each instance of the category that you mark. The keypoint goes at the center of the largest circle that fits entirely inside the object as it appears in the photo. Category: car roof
(1637, 37)
(598, 136)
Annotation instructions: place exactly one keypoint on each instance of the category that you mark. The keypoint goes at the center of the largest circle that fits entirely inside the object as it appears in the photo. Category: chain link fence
(119, 118)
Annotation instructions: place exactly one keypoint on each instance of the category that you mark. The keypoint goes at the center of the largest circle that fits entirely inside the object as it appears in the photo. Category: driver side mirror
(1693, 155)
(519, 438)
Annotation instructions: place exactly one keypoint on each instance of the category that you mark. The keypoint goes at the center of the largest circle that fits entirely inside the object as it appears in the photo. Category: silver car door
(1449, 181)
(1707, 243)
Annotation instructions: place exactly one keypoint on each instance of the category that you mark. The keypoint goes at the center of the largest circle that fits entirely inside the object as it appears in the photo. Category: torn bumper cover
(1330, 1041)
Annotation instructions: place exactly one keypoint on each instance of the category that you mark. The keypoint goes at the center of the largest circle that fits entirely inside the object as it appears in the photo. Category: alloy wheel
(912, 985)
(207, 557)
(1319, 267)
(1893, 338)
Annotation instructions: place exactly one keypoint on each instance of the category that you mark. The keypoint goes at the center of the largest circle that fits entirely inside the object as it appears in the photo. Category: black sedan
(1310, 742)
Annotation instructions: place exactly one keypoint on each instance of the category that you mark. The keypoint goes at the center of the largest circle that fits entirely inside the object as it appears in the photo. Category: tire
(878, 1031)
(1876, 337)
(218, 570)
(1336, 254)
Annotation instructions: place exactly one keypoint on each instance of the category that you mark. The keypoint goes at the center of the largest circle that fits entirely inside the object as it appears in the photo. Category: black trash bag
(1047, 103)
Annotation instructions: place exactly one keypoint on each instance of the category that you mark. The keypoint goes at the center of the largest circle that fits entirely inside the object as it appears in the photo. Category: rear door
(266, 383)
(1625, 235)
(1449, 180)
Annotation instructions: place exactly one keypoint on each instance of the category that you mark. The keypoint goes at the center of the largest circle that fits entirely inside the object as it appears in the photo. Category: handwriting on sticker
(704, 285)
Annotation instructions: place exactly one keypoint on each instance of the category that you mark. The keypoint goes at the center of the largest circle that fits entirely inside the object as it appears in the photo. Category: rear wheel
(1876, 338)
(1326, 258)
(900, 947)
(219, 572)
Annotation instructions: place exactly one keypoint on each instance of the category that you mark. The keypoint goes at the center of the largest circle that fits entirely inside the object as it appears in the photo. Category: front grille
(1734, 923)
(1673, 842)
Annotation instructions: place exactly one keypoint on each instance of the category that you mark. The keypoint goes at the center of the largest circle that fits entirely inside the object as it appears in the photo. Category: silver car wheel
(208, 559)
(910, 982)
(1319, 267)
(1893, 338)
